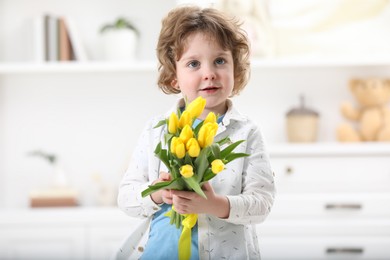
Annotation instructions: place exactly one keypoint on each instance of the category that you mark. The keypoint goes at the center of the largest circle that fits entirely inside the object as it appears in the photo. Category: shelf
(151, 66)
(70, 215)
(320, 62)
(329, 149)
(74, 67)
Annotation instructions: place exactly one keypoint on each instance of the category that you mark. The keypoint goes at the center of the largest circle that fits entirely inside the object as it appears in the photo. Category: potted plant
(59, 178)
(120, 40)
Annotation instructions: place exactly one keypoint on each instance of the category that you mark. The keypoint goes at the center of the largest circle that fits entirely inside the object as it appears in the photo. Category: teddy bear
(371, 116)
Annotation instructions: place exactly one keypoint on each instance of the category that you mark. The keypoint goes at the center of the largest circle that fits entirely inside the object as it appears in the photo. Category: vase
(119, 45)
(60, 180)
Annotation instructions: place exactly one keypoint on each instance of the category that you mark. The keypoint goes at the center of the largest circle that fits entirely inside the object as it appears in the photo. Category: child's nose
(209, 73)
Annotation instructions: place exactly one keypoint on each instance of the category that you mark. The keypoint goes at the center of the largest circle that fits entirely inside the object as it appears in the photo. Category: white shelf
(74, 67)
(151, 66)
(321, 62)
(330, 149)
(69, 215)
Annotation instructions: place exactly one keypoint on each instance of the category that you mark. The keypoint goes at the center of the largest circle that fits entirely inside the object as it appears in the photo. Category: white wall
(92, 122)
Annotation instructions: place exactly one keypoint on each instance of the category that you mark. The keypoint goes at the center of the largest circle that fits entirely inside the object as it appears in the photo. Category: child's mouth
(210, 89)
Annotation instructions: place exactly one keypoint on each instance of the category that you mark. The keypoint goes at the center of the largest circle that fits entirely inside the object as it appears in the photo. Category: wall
(92, 122)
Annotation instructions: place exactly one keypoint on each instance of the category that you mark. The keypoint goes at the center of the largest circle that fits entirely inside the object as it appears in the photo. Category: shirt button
(140, 249)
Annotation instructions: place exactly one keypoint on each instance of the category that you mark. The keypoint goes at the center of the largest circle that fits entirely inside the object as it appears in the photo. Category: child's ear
(175, 84)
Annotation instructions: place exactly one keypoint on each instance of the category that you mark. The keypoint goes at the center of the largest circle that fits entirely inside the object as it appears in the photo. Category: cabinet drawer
(326, 247)
(309, 227)
(28, 242)
(104, 241)
(332, 174)
(328, 205)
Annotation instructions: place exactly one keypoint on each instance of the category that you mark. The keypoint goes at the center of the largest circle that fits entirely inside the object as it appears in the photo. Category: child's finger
(164, 176)
(189, 195)
(206, 186)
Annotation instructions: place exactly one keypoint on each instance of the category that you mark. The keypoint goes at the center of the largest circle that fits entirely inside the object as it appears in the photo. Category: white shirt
(247, 182)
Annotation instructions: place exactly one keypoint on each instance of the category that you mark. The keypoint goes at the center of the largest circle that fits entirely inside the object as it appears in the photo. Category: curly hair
(181, 22)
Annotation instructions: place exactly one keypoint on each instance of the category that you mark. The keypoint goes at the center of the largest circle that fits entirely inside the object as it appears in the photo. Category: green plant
(51, 158)
(120, 23)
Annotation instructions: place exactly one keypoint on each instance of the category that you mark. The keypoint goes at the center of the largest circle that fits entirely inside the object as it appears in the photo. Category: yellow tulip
(186, 133)
(217, 166)
(193, 148)
(185, 119)
(195, 108)
(177, 147)
(173, 123)
(207, 133)
(186, 171)
(211, 118)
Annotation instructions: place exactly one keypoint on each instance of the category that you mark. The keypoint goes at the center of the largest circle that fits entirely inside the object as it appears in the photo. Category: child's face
(206, 70)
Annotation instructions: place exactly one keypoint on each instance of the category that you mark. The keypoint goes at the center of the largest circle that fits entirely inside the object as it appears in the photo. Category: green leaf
(208, 176)
(225, 152)
(162, 154)
(175, 184)
(197, 128)
(224, 141)
(201, 163)
(178, 112)
(158, 148)
(193, 183)
(215, 150)
(175, 171)
(188, 159)
(167, 137)
(234, 156)
(161, 123)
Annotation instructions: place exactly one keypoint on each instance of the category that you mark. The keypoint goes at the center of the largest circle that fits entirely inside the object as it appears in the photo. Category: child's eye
(193, 64)
(220, 61)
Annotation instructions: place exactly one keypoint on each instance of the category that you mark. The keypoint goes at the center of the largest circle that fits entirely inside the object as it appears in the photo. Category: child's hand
(162, 196)
(186, 202)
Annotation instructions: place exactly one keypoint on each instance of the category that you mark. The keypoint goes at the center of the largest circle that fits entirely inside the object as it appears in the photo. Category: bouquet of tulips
(192, 158)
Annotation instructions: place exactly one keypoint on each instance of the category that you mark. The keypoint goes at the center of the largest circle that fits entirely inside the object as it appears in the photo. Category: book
(39, 45)
(52, 38)
(65, 46)
(56, 38)
(76, 42)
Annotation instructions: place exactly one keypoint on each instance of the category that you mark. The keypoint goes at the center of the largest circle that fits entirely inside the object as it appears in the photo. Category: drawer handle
(344, 250)
(347, 206)
(289, 170)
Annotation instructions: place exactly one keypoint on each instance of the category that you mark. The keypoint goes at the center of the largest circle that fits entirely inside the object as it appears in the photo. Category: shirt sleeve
(254, 203)
(137, 177)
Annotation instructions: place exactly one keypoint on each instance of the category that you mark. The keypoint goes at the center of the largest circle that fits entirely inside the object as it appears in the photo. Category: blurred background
(78, 81)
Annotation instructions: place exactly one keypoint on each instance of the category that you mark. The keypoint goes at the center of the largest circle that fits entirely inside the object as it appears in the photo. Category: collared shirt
(248, 184)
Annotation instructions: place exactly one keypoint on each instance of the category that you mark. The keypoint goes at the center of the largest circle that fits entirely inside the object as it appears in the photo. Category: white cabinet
(104, 240)
(71, 234)
(333, 202)
(330, 247)
(25, 241)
